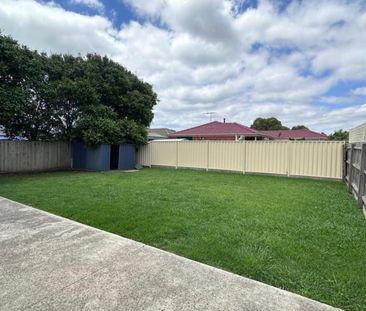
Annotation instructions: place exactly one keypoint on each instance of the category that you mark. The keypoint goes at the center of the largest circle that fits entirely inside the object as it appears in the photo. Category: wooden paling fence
(319, 159)
(355, 172)
(29, 156)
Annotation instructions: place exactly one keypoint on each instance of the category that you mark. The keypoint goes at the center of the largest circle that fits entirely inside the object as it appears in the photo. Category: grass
(305, 236)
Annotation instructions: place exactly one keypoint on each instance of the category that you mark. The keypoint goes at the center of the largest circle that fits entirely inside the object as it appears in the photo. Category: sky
(303, 62)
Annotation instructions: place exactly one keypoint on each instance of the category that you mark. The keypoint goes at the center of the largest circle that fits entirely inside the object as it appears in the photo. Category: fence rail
(321, 159)
(355, 172)
(28, 156)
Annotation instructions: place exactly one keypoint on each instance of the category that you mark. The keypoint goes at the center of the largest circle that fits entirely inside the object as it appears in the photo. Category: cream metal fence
(28, 156)
(320, 159)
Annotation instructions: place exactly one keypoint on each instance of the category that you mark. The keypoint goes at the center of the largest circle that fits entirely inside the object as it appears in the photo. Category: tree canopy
(339, 135)
(299, 127)
(65, 97)
(266, 124)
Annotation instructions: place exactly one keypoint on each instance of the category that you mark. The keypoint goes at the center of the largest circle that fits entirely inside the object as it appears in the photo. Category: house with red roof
(219, 131)
(234, 131)
(304, 134)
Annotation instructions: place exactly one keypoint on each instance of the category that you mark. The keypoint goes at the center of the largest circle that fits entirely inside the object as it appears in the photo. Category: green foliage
(299, 127)
(65, 97)
(339, 135)
(119, 89)
(101, 125)
(22, 86)
(265, 124)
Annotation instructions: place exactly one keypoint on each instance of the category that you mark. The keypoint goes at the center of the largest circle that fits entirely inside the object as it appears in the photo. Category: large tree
(128, 96)
(265, 124)
(339, 135)
(23, 83)
(70, 93)
(299, 127)
(64, 97)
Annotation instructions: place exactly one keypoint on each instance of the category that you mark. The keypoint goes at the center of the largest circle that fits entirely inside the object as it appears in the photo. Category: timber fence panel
(356, 172)
(29, 156)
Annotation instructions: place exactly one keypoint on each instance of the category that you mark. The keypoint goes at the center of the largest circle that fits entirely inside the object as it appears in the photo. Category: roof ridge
(197, 126)
(247, 127)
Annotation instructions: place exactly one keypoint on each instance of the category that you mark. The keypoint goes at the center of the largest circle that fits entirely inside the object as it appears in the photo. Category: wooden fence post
(350, 168)
(361, 184)
(344, 167)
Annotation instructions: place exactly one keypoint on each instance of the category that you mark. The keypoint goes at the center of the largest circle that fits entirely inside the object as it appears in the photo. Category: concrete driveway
(51, 263)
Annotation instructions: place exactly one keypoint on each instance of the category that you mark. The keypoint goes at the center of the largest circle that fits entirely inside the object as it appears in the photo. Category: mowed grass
(305, 236)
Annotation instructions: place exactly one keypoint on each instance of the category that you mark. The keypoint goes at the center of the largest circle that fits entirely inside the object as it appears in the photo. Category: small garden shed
(104, 157)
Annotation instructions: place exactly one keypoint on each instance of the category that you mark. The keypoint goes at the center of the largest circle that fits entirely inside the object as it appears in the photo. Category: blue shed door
(127, 157)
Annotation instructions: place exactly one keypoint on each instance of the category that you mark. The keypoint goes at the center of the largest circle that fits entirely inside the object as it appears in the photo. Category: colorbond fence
(355, 172)
(321, 159)
(27, 156)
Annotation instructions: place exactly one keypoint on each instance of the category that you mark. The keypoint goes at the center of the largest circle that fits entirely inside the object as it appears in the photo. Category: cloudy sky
(303, 62)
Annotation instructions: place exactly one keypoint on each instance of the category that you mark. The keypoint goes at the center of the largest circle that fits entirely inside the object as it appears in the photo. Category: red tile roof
(295, 134)
(216, 128)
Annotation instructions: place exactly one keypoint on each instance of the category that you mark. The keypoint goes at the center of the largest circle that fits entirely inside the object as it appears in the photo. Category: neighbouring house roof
(216, 128)
(159, 133)
(295, 134)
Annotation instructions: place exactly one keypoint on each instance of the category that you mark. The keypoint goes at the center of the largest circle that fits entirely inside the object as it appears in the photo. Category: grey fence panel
(356, 172)
(30, 156)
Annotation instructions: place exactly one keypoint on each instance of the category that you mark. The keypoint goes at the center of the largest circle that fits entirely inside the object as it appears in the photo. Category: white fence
(321, 159)
(29, 156)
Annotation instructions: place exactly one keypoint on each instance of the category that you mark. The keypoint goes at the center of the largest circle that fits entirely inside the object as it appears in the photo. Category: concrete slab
(52, 263)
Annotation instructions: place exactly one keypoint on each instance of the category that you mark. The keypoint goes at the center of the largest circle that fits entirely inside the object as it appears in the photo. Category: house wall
(214, 138)
(358, 134)
(226, 138)
(321, 159)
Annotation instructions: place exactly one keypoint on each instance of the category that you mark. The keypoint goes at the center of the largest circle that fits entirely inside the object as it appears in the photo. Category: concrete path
(51, 263)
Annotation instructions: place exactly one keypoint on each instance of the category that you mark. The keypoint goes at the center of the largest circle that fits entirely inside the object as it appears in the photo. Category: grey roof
(160, 132)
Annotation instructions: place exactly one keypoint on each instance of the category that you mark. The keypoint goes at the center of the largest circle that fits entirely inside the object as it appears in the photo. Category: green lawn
(306, 236)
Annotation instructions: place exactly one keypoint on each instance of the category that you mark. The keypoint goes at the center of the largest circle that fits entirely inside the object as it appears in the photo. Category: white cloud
(147, 8)
(93, 4)
(51, 29)
(359, 91)
(209, 56)
(335, 99)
